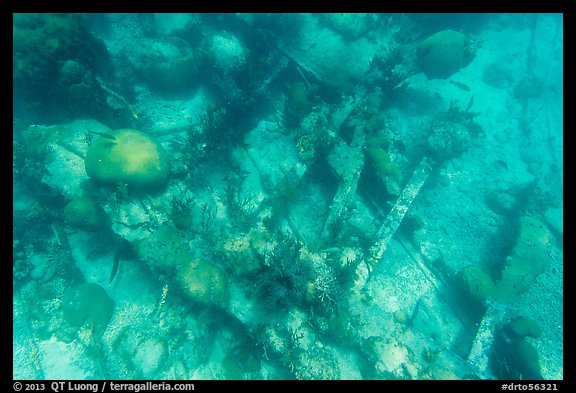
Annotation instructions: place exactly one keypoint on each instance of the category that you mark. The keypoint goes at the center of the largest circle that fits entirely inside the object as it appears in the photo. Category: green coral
(380, 160)
(88, 304)
(444, 53)
(526, 261)
(83, 213)
(167, 254)
(477, 283)
(127, 156)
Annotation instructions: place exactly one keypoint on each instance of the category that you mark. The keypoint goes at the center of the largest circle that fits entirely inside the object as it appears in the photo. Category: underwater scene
(287, 196)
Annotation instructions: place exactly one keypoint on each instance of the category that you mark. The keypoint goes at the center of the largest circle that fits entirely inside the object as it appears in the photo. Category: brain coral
(84, 213)
(204, 282)
(128, 156)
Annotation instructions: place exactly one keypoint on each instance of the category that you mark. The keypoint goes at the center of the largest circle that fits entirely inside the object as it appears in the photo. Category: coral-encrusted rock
(228, 53)
(164, 63)
(448, 139)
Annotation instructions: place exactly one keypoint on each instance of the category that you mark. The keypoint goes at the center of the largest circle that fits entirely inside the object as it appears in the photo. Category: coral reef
(290, 197)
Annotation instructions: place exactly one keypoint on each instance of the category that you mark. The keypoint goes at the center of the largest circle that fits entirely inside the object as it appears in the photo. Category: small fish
(502, 164)
(116, 264)
(461, 86)
(470, 103)
(103, 135)
(415, 312)
(399, 145)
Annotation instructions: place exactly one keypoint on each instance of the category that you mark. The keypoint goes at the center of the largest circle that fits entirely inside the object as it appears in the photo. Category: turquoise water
(288, 196)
